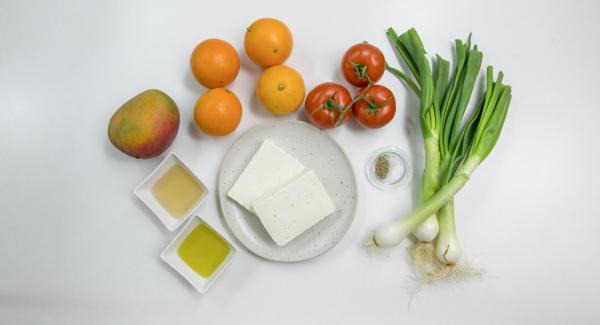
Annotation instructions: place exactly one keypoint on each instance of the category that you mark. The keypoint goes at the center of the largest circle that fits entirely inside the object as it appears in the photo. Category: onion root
(371, 245)
(423, 257)
(455, 272)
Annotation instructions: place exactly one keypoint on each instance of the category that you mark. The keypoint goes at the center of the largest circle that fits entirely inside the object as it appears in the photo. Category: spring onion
(446, 96)
(410, 48)
(453, 150)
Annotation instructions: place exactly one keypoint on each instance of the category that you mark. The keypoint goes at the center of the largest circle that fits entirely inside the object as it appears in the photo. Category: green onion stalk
(488, 130)
(410, 48)
(453, 150)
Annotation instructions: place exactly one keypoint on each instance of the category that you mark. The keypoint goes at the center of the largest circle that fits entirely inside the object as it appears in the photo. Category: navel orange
(280, 89)
(218, 112)
(215, 63)
(268, 42)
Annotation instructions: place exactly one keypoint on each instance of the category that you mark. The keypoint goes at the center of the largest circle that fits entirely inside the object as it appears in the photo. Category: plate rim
(222, 198)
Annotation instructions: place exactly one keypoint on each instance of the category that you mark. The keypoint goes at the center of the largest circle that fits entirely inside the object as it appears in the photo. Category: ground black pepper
(382, 166)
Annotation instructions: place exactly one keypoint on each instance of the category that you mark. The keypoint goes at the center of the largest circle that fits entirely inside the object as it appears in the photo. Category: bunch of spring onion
(455, 145)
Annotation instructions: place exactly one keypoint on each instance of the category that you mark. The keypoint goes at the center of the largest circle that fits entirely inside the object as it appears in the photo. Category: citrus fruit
(268, 42)
(218, 112)
(215, 63)
(280, 89)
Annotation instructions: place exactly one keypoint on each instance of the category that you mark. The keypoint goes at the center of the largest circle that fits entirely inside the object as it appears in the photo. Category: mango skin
(146, 125)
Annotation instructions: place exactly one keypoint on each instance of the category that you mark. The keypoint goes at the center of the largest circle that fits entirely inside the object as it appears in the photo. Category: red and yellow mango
(146, 125)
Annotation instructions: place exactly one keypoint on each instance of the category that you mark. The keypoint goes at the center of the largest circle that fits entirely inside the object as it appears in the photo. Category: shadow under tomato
(301, 114)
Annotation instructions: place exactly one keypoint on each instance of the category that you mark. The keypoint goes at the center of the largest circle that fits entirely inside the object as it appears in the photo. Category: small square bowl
(144, 192)
(171, 257)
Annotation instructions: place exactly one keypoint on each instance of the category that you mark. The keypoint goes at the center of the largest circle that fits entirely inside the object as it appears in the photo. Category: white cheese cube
(294, 208)
(269, 169)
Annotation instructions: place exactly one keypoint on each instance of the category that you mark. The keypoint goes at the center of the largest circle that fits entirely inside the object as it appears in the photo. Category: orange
(280, 89)
(218, 112)
(268, 42)
(215, 63)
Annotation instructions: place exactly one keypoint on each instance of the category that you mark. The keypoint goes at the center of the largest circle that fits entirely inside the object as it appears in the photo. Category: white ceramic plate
(316, 150)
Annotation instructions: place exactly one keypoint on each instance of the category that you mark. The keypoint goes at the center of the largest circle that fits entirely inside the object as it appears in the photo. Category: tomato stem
(330, 104)
(349, 106)
(360, 70)
(372, 106)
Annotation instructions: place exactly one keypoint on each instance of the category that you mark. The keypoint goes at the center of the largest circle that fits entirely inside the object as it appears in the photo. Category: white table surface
(76, 246)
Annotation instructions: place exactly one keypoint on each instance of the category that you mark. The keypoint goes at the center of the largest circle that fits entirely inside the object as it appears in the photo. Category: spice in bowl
(388, 168)
(382, 166)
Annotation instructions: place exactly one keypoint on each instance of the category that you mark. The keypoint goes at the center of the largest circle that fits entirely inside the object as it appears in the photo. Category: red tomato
(324, 104)
(362, 62)
(377, 107)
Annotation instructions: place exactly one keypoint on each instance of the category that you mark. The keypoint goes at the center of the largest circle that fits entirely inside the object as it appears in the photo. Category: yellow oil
(203, 250)
(177, 191)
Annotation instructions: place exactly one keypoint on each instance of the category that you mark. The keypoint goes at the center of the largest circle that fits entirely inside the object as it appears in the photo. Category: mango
(146, 125)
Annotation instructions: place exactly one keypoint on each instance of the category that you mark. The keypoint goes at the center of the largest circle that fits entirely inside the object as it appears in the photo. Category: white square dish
(144, 192)
(171, 257)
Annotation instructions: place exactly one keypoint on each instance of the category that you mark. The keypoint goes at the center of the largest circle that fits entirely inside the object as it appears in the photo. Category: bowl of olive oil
(172, 191)
(199, 253)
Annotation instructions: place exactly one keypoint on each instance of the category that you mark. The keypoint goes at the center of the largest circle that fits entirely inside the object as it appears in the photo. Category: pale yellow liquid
(177, 191)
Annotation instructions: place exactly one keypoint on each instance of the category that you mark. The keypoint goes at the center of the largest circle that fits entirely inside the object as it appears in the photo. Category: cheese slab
(269, 169)
(294, 208)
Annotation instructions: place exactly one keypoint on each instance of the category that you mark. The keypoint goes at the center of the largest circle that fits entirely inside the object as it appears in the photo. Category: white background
(76, 246)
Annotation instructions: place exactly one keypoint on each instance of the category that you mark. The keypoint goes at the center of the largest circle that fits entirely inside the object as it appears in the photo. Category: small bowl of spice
(388, 168)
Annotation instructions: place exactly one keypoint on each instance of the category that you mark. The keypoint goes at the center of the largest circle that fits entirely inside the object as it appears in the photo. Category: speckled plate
(316, 150)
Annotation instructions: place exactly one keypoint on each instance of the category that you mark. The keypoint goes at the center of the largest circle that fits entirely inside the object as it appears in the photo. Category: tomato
(325, 103)
(362, 62)
(377, 107)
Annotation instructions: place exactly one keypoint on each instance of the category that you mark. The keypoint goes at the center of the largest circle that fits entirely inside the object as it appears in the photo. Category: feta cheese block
(294, 208)
(269, 169)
